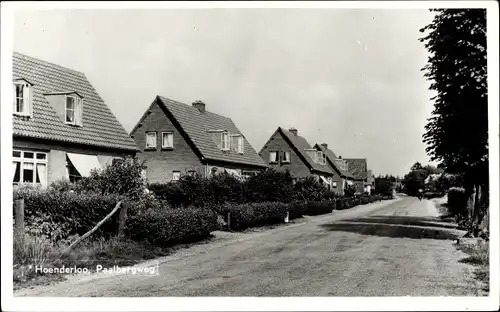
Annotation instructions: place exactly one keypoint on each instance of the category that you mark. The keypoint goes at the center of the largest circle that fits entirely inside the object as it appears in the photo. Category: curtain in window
(41, 174)
(168, 140)
(241, 146)
(150, 140)
(15, 164)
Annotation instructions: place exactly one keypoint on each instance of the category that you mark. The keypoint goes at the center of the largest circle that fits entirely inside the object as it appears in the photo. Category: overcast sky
(350, 78)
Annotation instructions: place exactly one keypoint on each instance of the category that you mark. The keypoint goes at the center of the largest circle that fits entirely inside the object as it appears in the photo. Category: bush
(122, 177)
(165, 227)
(349, 190)
(248, 215)
(320, 207)
(310, 189)
(269, 185)
(297, 209)
(457, 201)
(58, 215)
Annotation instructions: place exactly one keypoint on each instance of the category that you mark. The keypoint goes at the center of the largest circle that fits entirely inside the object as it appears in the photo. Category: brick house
(175, 138)
(62, 128)
(341, 175)
(363, 178)
(286, 150)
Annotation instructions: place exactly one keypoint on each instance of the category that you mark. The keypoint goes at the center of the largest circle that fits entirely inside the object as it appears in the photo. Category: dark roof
(358, 167)
(100, 127)
(300, 144)
(197, 125)
(332, 157)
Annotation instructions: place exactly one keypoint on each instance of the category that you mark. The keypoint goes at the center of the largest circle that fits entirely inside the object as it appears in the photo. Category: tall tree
(457, 132)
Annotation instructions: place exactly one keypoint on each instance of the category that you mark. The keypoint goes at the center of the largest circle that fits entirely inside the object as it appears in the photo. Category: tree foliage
(457, 132)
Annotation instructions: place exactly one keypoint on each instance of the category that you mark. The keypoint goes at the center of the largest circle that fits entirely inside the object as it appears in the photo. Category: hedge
(297, 209)
(59, 215)
(457, 200)
(165, 227)
(320, 207)
(243, 216)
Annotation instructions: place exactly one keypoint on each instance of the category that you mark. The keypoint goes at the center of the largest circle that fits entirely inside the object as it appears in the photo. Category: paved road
(392, 248)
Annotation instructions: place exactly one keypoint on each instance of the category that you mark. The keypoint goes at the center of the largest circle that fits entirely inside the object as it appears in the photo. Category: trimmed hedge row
(165, 227)
(243, 216)
(319, 207)
(457, 200)
(59, 215)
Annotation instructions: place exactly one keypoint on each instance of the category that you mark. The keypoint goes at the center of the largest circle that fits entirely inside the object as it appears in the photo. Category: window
(22, 93)
(150, 139)
(237, 143)
(29, 167)
(71, 172)
(334, 184)
(167, 140)
(286, 157)
(273, 157)
(176, 175)
(319, 158)
(191, 172)
(73, 111)
(225, 141)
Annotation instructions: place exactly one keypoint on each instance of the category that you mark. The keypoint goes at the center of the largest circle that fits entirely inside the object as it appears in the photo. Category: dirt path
(392, 248)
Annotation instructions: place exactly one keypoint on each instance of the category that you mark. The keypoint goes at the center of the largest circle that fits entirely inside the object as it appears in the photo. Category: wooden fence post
(287, 217)
(229, 220)
(122, 219)
(19, 218)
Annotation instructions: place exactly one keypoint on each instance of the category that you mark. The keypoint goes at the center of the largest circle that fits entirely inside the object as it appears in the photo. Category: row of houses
(62, 129)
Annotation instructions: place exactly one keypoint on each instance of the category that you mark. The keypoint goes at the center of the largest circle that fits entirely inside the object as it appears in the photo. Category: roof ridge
(15, 53)
(206, 111)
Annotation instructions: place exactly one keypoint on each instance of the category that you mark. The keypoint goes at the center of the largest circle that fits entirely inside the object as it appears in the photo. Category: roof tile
(100, 126)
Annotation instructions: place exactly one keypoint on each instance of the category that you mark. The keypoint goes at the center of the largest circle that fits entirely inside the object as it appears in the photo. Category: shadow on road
(405, 220)
(395, 226)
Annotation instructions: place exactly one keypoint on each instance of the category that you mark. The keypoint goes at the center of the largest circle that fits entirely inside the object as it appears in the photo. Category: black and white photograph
(257, 156)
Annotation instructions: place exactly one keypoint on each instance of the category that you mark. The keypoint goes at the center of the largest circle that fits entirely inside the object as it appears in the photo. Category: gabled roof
(197, 125)
(100, 126)
(300, 145)
(330, 155)
(358, 167)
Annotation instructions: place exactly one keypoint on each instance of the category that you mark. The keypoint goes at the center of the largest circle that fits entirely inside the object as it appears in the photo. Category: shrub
(165, 227)
(122, 177)
(58, 215)
(248, 215)
(310, 189)
(269, 185)
(457, 200)
(350, 190)
(297, 209)
(320, 207)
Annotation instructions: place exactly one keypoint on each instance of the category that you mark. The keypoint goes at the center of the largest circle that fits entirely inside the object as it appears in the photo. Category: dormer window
(225, 141)
(73, 110)
(22, 95)
(237, 143)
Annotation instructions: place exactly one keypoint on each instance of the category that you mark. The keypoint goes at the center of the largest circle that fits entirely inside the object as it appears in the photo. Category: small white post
(287, 217)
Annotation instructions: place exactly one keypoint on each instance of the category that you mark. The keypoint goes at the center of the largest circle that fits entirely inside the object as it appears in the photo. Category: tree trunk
(477, 207)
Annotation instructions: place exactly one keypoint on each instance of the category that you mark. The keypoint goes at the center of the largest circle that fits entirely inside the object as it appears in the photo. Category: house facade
(286, 150)
(175, 139)
(341, 175)
(363, 178)
(62, 129)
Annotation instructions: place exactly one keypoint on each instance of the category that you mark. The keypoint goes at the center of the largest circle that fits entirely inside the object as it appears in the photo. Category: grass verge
(479, 257)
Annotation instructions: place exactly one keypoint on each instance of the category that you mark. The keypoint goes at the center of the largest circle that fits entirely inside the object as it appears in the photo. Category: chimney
(199, 105)
(324, 145)
(293, 131)
(340, 157)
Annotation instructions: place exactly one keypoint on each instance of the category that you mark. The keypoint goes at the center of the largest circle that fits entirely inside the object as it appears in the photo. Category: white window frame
(225, 141)
(35, 161)
(174, 173)
(156, 140)
(271, 160)
(77, 110)
(286, 161)
(241, 145)
(162, 140)
(27, 98)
